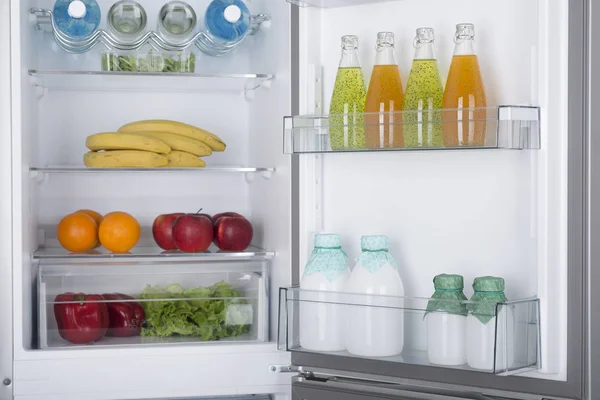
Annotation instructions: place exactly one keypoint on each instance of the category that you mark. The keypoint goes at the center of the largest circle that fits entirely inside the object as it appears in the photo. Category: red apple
(162, 230)
(193, 233)
(225, 214)
(233, 233)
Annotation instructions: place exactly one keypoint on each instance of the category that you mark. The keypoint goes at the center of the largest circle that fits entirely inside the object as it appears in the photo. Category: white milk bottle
(446, 321)
(376, 319)
(322, 318)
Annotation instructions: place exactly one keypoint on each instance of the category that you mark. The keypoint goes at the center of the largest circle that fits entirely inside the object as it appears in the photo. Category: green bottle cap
(328, 240)
(375, 243)
(490, 284)
(448, 282)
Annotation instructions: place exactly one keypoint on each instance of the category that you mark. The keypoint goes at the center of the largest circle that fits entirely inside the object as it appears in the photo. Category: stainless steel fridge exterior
(337, 375)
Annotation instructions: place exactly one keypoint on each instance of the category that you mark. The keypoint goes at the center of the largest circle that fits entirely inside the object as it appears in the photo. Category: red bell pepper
(81, 318)
(126, 318)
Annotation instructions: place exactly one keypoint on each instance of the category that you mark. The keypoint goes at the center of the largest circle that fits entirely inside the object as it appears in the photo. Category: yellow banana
(119, 141)
(177, 128)
(181, 159)
(181, 143)
(124, 159)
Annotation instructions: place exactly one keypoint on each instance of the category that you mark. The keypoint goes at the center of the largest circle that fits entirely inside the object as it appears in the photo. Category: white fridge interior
(480, 212)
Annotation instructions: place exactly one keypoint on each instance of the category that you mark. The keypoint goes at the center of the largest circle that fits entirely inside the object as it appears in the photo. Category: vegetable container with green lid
(446, 321)
(489, 325)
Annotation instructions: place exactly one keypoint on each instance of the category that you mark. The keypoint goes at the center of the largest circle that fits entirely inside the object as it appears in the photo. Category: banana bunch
(152, 144)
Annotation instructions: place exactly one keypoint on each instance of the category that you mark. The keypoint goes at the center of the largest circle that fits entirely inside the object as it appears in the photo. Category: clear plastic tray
(151, 61)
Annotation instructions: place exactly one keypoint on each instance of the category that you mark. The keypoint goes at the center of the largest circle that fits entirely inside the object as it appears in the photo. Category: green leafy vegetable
(212, 313)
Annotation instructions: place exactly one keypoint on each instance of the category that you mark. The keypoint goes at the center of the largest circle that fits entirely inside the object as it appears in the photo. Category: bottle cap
(488, 284)
(375, 243)
(425, 35)
(350, 42)
(77, 9)
(232, 14)
(385, 39)
(448, 282)
(465, 31)
(328, 240)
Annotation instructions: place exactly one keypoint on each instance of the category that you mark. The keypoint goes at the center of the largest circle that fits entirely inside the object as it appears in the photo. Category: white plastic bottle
(484, 344)
(322, 318)
(376, 325)
(446, 321)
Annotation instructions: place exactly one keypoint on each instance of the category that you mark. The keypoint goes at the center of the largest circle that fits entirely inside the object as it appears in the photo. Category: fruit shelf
(96, 80)
(512, 328)
(221, 301)
(58, 255)
(80, 169)
(502, 127)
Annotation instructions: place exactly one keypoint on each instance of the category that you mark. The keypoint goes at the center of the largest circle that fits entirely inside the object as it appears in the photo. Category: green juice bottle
(424, 96)
(346, 122)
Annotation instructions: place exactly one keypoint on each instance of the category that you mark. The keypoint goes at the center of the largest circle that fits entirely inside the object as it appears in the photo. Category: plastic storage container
(375, 332)
(446, 321)
(182, 303)
(76, 20)
(322, 324)
(483, 323)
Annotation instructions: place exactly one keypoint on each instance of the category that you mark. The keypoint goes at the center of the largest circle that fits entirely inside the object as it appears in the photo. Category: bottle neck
(425, 51)
(386, 56)
(350, 59)
(464, 47)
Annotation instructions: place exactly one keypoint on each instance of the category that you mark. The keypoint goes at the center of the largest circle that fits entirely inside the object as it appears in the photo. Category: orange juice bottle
(385, 98)
(464, 98)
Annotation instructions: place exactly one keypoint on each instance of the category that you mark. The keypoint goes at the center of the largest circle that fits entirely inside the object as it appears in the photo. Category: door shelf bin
(514, 333)
(505, 127)
(218, 301)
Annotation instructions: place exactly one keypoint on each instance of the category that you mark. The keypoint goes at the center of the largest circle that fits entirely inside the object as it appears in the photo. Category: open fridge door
(487, 211)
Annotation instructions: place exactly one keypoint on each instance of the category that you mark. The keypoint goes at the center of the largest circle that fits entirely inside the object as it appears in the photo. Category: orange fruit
(77, 232)
(119, 232)
(97, 217)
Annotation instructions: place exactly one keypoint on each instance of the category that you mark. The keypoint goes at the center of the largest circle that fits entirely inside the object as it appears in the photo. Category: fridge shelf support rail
(512, 328)
(502, 127)
(42, 20)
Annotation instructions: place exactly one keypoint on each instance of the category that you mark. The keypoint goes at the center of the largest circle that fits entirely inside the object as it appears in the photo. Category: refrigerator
(518, 207)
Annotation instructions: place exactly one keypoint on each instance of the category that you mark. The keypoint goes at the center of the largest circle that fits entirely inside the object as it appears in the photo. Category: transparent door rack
(505, 127)
(184, 302)
(516, 326)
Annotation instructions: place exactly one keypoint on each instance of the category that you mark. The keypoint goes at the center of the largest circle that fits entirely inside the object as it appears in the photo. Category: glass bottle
(489, 333)
(375, 329)
(464, 97)
(424, 95)
(385, 97)
(76, 20)
(322, 322)
(446, 321)
(346, 123)
(127, 21)
(176, 22)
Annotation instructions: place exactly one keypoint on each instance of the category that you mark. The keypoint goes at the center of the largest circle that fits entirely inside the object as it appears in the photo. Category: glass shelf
(80, 169)
(334, 3)
(502, 127)
(512, 328)
(142, 253)
(97, 80)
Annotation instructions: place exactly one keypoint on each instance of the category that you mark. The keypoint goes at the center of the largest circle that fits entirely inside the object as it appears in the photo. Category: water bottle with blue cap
(76, 20)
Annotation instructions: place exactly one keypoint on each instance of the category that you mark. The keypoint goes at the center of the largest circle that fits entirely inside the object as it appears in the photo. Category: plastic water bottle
(227, 21)
(76, 20)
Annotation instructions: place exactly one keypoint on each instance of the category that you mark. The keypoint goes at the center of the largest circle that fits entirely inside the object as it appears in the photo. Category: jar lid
(488, 284)
(448, 282)
(328, 240)
(375, 243)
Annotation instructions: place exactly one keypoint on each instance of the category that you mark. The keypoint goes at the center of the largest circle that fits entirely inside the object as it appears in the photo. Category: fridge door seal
(517, 387)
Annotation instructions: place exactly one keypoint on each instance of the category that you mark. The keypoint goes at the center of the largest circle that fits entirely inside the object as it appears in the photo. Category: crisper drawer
(131, 304)
(498, 338)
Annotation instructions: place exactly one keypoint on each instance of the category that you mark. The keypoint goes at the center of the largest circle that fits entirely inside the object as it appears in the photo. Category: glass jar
(127, 21)
(176, 22)
(376, 326)
(446, 321)
(322, 323)
(490, 329)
